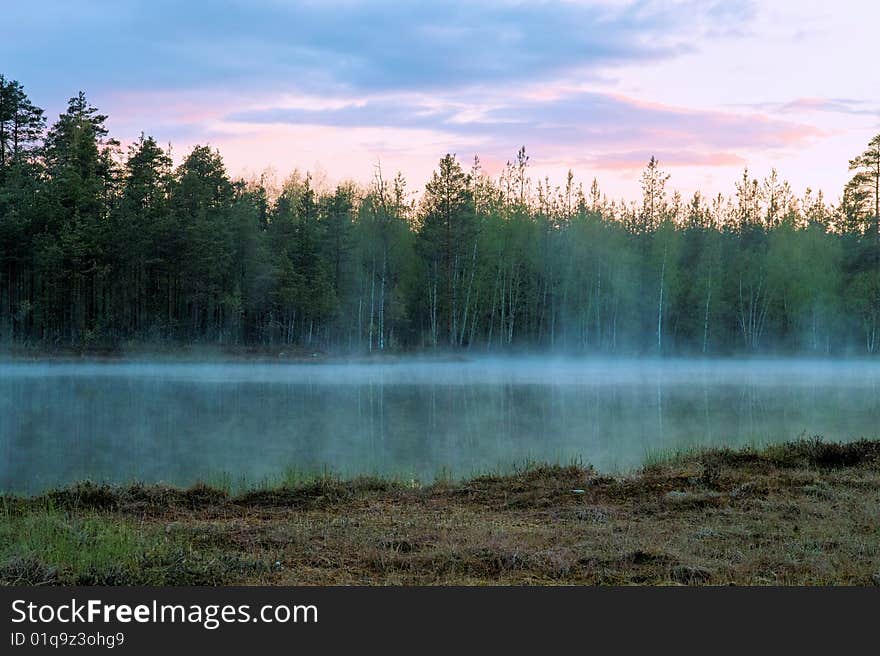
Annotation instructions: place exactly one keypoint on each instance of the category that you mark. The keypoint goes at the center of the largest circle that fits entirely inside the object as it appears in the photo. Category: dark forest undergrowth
(799, 513)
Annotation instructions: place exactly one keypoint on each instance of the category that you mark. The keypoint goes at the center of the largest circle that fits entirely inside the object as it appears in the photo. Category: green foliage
(100, 249)
(864, 189)
(44, 546)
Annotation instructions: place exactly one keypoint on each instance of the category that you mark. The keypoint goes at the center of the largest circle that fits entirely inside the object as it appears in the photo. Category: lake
(245, 422)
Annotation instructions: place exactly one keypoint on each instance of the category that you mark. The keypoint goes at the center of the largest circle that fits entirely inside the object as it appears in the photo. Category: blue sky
(597, 86)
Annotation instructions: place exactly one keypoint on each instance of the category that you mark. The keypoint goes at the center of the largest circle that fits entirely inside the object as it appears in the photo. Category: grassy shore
(806, 512)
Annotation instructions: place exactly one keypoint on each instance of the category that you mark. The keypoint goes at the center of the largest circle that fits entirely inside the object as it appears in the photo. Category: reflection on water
(179, 423)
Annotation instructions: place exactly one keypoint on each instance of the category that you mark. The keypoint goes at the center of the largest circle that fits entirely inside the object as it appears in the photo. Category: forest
(101, 248)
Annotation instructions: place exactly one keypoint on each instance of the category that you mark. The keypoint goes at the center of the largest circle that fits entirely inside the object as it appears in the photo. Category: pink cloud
(633, 161)
(562, 127)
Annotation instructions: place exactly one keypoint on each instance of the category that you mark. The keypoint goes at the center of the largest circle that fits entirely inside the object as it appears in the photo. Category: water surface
(180, 423)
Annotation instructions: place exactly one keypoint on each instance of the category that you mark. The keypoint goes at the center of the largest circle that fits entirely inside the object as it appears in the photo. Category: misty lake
(249, 422)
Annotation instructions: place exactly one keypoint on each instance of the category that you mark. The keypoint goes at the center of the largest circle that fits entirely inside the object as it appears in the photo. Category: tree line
(104, 248)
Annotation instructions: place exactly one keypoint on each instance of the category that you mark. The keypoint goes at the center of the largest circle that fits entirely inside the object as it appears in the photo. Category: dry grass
(801, 513)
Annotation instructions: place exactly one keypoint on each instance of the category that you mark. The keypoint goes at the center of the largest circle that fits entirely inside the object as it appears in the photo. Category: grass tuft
(797, 513)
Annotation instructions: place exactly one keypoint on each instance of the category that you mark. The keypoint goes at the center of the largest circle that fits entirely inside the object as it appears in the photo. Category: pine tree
(447, 233)
(865, 186)
(21, 124)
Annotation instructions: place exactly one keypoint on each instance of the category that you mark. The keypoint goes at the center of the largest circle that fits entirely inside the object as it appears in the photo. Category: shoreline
(206, 355)
(799, 513)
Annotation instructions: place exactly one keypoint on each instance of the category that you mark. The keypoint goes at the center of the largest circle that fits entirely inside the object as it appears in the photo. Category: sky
(339, 86)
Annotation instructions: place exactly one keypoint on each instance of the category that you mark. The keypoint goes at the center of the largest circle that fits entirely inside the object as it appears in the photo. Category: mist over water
(180, 422)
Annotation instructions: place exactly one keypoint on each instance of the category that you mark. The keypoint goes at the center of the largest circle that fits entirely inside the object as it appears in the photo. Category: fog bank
(179, 423)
